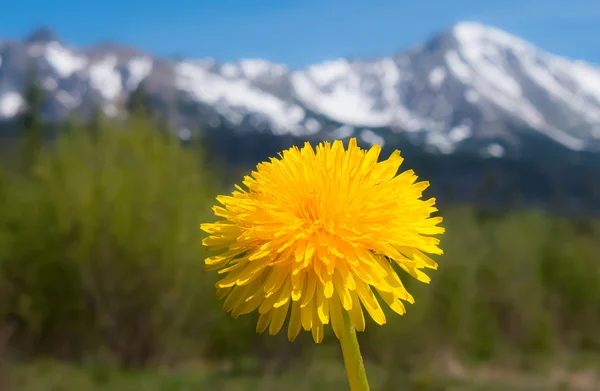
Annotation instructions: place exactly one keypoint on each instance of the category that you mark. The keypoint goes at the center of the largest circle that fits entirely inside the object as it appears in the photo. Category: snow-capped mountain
(472, 87)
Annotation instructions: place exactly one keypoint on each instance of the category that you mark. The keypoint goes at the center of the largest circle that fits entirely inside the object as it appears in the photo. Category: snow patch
(489, 67)
(50, 83)
(495, 150)
(344, 103)
(485, 67)
(389, 75)
(439, 141)
(226, 94)
(359, 94)
(587, 77)
(139, 69)
(457, 66)
(372, 138)
(10, 104)
(563, 138)
(230, 71)
(66, 99)
(436, 77)
(254, 68)
(329, 71)
(497, 87)
(342, 132)
(312, 125)
(476, 34)
(184, 134)
(459, 133)
(62, 60)
(106, 79)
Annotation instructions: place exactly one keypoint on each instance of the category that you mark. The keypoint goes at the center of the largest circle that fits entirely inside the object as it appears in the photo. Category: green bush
(104, 246)
(524, 283)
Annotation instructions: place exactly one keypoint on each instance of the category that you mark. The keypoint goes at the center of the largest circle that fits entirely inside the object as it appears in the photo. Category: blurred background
(121, 121)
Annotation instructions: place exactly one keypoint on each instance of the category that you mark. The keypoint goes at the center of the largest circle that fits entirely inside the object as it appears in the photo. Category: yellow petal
(295, 324)
(337, 318)
(278, 318)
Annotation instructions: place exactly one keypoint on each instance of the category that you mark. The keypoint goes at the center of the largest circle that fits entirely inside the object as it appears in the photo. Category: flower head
(317, 233)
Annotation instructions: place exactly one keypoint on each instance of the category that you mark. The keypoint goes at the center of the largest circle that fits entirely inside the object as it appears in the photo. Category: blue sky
(300, 32)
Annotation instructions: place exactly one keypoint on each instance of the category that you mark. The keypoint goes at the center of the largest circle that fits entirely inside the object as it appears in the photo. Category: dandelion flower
(319, 234)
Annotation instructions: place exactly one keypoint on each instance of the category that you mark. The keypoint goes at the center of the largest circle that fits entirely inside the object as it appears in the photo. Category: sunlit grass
(326, 375)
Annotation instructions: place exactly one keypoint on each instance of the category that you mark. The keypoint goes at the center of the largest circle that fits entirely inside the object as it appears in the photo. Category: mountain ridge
(471, 87)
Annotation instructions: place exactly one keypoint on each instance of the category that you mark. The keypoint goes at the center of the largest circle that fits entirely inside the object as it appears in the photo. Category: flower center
(316, 218)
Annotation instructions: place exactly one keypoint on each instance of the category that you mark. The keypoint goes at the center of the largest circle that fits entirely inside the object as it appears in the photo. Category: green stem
(355, 368)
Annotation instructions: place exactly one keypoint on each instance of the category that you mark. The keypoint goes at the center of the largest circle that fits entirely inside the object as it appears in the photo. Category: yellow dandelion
(316, 235)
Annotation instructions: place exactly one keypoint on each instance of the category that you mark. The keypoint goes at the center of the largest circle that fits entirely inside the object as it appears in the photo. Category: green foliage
(526, 282)
(104, 245)
(318, 375)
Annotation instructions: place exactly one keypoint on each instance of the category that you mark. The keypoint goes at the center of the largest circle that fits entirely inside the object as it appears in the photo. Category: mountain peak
(472, 26)
(43, 34)
(475, 33)
(474, 37)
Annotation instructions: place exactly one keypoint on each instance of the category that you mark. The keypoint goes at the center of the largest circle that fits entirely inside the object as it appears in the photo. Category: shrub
(104, 246)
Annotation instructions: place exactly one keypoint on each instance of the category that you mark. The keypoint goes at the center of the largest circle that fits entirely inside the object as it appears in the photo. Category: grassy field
(315, 375)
